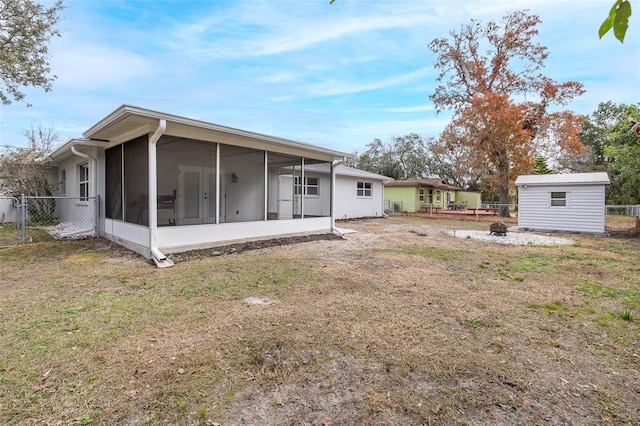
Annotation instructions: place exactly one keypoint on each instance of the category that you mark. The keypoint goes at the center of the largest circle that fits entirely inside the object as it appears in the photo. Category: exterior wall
(584, 212)
(318, 205)
(349, 205)
(180, 238)
(407, 195)
(473, 199)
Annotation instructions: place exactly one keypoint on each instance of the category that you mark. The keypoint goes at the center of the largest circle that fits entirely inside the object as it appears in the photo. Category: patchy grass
(397, 324)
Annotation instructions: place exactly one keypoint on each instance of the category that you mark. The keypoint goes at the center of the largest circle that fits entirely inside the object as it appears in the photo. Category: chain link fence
(623, 210)
(25, 219)
(9, 223)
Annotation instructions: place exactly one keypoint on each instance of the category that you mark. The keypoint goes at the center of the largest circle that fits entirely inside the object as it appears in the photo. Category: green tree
(541, 167)
(26, 28)
(404, 157)
(613, 147)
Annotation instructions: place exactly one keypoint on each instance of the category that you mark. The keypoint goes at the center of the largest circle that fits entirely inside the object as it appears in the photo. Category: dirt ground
(477, 350)
(397, 323)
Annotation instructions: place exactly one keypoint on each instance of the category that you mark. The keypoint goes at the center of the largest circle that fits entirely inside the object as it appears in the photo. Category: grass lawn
(397, 324)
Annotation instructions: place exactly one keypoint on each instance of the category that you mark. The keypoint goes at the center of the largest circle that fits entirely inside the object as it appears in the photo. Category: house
(358, 193)
(411, 195)
(562, 202)
(168, 183)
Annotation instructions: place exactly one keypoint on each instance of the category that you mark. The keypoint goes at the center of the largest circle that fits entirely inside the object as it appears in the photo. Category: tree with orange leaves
(501, 101)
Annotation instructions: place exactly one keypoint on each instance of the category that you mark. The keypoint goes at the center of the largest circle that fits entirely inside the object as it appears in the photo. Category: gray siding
(585, 210)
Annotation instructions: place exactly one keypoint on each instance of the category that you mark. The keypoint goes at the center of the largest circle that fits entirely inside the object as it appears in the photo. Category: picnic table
(457, 205)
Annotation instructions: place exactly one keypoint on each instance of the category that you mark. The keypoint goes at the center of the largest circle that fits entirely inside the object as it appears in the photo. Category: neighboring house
(562, 202)
(168, 183)
(358, 193)
(411, 195)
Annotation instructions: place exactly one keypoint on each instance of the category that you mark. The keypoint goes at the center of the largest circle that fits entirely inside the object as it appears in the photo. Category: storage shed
(562, 202)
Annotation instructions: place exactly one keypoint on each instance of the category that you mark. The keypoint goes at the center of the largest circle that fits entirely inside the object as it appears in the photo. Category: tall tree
(404, 157)
(488, 92)
(614, 148)
(26, 28)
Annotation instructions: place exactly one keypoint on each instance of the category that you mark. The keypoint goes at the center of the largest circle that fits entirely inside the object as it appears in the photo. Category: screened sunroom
(174, 184)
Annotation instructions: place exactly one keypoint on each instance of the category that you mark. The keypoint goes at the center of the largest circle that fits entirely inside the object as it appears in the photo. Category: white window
(421, 195)
(438, 195)
(558, 199)
(311, 186)
(63, 182)
(364, 190)
(83, 179)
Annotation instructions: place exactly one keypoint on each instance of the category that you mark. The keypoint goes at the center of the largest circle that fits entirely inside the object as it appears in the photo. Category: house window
(311, 186)
(438, 196)
(558, 199)
(364, 190)
(421, 195)
(83, 179)
(63, 182)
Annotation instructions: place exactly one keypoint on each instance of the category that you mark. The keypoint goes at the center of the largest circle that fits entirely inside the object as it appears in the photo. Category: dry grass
(397, 324)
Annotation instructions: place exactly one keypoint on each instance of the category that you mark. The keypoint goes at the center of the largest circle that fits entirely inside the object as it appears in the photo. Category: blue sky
(336, 75)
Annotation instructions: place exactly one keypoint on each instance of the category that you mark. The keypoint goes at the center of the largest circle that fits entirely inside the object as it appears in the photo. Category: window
(438, 196)
(421, 195)
(364, 190)
(311, 187)
(83, 179)
(558, 199)
(63, 182)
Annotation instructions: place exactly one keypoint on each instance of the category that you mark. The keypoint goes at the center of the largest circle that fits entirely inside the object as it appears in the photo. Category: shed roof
(564, 179)
(344, 170)
(426, 182)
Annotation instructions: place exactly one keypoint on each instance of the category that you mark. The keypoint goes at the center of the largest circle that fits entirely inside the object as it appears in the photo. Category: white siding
(349, 205)
(584, 212)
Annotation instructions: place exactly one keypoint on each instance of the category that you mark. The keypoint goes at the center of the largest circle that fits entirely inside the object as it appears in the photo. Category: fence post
(23, 218)
(96, 217)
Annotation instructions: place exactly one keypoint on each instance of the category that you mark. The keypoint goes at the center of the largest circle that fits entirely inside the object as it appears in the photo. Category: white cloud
(332, 87)
(84, 65)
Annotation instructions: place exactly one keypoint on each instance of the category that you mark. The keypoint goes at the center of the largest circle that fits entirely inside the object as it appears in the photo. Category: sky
(337, 76)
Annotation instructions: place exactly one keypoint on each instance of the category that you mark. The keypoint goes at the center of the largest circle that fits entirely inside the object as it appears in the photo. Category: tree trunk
(504, 201)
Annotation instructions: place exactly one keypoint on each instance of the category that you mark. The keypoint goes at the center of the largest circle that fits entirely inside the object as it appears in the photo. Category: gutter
(158, 258)
(334, 165)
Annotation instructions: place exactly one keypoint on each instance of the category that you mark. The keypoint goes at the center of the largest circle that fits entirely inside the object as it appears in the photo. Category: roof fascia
(126, 110)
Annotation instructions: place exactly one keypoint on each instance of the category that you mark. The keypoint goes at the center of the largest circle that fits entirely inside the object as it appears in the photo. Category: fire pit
(498, 228)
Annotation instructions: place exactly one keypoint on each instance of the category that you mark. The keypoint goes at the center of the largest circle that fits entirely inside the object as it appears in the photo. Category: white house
(168, 183)
(358, 193)
(562, 202)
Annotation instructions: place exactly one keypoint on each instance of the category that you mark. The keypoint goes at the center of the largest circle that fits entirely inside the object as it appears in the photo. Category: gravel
(513, 237)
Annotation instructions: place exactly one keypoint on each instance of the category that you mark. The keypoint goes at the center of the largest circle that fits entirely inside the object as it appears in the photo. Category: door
(197, 195)
(285, 196)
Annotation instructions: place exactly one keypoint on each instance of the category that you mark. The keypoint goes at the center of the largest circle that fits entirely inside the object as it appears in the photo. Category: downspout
(93, 181)
(159, 259)
(334, 165)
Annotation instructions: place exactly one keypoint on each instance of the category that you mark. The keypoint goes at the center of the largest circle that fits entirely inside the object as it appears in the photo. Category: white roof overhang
(129, 122)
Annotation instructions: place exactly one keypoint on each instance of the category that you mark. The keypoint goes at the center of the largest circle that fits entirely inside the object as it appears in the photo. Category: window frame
(83, 181)
(421, 195)
(364, 189)
(307, 186)
(558, 201)
(63, 182)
